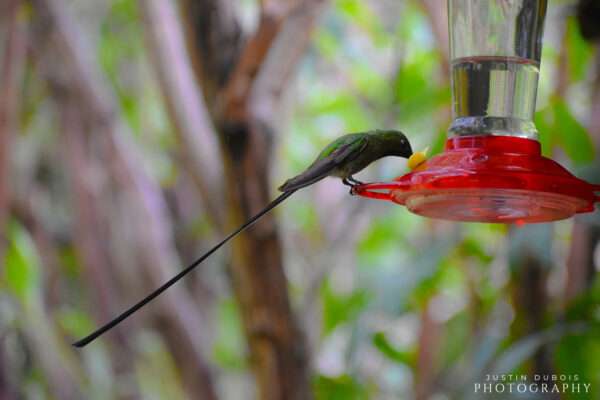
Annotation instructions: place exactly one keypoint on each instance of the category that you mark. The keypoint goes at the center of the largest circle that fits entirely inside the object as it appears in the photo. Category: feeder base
(500, 179)
(491, 205)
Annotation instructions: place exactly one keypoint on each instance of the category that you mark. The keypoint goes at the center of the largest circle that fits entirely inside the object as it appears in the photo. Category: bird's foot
(347, 182)
(354, 181)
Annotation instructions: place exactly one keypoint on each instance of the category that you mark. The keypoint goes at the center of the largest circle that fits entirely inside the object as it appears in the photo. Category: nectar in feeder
(492, 169)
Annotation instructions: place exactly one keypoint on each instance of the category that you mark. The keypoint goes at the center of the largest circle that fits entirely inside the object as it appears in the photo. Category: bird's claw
(353, 183)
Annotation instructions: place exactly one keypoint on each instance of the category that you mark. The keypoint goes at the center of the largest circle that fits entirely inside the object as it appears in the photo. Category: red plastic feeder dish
(489, 179)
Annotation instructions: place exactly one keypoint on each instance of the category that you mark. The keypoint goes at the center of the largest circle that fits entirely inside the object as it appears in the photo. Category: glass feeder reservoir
(492, 169)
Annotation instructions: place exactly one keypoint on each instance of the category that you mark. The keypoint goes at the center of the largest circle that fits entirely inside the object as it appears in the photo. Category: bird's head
(396, 143)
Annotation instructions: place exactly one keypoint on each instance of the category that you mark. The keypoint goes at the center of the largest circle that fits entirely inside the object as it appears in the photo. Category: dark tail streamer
(127, 313)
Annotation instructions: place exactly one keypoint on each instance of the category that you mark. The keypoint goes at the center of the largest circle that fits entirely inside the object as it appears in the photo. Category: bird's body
(350, 154)
(342, 158)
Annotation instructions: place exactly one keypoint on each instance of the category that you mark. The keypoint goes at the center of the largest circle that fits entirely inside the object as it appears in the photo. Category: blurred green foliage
(22, 275)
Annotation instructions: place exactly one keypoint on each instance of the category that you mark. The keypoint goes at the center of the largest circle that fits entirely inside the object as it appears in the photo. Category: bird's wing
(324, 166)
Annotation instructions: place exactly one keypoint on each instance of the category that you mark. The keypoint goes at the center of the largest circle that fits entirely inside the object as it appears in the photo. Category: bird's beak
(418, 160)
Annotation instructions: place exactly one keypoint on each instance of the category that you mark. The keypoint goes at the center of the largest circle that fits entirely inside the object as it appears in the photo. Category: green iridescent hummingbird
(342, 158)
(350, 154)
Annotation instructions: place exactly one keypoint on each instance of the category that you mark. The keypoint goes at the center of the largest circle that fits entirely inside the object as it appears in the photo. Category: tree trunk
(231, 80)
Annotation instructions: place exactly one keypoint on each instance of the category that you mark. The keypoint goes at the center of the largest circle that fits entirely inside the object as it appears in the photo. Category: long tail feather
(94, 335)
(300, 182)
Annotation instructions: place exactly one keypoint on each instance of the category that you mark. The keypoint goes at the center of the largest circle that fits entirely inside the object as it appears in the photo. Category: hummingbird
(342, 158)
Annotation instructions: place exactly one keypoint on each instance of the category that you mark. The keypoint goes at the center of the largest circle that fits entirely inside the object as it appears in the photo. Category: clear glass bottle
(495, 51)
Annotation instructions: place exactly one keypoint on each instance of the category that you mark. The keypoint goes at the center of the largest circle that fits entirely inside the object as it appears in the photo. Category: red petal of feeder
(489, 179)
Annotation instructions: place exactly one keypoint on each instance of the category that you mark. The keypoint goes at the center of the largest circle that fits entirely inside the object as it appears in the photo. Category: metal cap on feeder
(492, 169)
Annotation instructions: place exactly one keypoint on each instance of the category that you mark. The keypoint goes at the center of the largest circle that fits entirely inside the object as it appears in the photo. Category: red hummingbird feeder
(492, 169)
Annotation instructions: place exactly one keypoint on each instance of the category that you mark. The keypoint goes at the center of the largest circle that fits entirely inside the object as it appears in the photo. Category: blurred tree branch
(214, 39)
(242, 89)
(13, 39)
(282, 59)
(89, 221)
(529, 293)
(428, 345)
(235, 94)
(11, 71)
(55, 359)
(438, 19)
(185, 103)
(586, 230)
(89, 227)
(146, 211)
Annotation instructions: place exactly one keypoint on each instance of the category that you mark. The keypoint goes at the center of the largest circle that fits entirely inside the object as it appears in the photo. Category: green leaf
(369, 81)
(22, 264)
(345, 105)
(457, 337)
(580, 354)
(579, 52)
(306, 216)
(573, 137)
(433, 270)
(383, 238)
(340, 308)
(437, 146)
(326, 43)
(228, 349)
(586, 305)
(359, 14)
(544, 121)
(75, 323)
(558, 126)
(472, 247)
(525, 348)
(415, 92)
(343, 387)
(382, 344)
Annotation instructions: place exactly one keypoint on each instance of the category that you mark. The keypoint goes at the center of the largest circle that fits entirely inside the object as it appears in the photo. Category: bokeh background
(134, 134)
